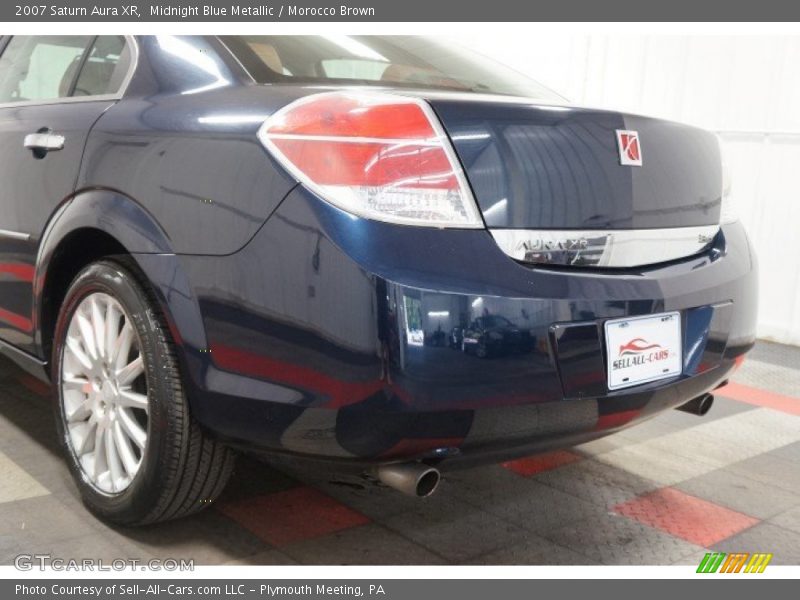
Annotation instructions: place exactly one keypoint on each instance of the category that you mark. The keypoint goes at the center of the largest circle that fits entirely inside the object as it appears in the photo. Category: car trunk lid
(552, 183)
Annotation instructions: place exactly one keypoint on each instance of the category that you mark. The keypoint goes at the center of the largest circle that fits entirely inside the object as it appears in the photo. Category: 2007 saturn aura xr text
(377, 254)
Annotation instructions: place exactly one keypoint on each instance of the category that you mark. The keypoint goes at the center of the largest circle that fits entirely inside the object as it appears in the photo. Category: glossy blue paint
(306, 330)
(33, 189)
(323, 354)
(539, 166)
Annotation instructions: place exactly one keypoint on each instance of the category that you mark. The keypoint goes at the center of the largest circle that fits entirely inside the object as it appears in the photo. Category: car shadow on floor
(525, 513)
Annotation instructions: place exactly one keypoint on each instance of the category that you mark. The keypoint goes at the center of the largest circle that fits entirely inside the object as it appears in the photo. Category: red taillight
(376, 155)
(344, 115)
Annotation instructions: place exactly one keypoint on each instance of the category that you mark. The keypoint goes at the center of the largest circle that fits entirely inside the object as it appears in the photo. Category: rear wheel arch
(69, 257)
(101, 223)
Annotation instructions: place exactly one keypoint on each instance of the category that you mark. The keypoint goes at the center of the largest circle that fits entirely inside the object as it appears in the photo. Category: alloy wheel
(104, 393)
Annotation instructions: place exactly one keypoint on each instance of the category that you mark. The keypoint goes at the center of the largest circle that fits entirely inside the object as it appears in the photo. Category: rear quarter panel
(183, 144)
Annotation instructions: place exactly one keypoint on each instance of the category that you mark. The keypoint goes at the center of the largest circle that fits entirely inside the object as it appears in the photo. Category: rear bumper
(316, 340)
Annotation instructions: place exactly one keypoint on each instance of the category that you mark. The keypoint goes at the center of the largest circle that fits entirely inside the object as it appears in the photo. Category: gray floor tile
(459, 533)
(366, 545)
(784, 544)
(722, 407)
(789, 452)
(788, 520)
(651, 462)
(771, 470)
(616, 540)
(533, 505)
(732, 438)
(45, 518)
(777, 377)
(267, 557)
(596, 482)
(741, 493)
(92, 546)
(207, 537)
(17, 483)
(533, 550)
(776, 354)
(692, 560)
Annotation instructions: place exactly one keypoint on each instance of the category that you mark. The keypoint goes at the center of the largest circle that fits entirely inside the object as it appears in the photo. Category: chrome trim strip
(356, 139)
(99, 98)
(15, 235)
(617, 248)
(236, 58)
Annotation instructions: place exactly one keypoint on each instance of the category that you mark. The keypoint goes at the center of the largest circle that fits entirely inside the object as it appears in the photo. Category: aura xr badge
(630, 152)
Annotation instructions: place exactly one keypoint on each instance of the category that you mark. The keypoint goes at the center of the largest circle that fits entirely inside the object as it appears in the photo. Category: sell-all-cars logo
(639, 351)
(630, 151)
(637, 346)
(737, 562)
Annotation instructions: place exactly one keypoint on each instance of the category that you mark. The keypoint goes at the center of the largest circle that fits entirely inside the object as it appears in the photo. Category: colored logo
(738, 562)
(630, 153)
(636, 346)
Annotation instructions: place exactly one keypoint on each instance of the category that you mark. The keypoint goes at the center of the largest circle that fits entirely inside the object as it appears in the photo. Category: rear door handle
(44, 141)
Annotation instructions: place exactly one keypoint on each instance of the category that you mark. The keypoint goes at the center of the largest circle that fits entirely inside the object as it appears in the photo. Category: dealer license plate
(643, 349)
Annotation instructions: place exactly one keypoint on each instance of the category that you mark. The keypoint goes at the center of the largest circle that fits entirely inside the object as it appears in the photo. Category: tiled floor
(660, 493)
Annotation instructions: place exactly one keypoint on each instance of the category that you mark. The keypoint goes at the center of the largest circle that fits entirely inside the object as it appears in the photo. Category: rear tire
(123, 420)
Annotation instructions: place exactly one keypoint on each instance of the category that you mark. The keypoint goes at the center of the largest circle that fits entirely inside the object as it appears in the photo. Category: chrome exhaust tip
(412, 479)
(698, 406)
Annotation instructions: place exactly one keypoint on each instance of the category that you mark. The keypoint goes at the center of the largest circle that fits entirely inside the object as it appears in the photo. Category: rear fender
(127, 222)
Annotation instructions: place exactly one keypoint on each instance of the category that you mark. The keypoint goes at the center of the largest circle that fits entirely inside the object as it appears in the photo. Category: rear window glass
(393, 61)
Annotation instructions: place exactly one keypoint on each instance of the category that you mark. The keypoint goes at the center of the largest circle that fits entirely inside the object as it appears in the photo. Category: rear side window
(50, 67)
(40, 67)
(105, 67)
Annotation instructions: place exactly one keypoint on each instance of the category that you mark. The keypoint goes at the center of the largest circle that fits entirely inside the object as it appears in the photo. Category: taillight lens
(376, 155)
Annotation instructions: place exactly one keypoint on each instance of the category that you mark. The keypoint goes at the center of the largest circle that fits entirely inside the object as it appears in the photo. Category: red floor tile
(758, 397)
(543, 462)
(684, 516)
(291, 516)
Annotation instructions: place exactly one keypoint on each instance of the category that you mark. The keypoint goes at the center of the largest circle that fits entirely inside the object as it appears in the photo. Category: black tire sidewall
(137, 500)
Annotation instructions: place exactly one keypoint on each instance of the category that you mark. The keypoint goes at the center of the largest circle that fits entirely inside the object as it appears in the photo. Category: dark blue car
(255, 242)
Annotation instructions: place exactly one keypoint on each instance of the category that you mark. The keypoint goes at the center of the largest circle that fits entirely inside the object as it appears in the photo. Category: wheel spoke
(83, 436)
(131, 427)
(112, 330)
(87, 335)
(132, 399)
(127, 374)
(125, 451)
(112, 458)
(123, 346)
(81, 412)
(99, 451)
(73, 346)
(99, 326)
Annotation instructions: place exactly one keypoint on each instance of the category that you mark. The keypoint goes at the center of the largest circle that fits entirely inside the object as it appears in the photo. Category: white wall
(747, 88)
